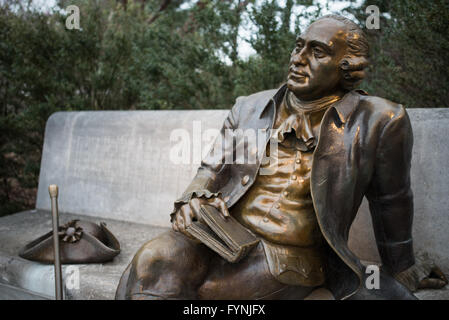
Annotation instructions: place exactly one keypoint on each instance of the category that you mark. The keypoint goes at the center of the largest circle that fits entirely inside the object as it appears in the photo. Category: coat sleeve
(390, 196)
(213, 167)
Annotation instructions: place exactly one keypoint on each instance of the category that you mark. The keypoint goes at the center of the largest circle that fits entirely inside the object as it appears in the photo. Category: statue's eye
(318, 52)
(299, 47)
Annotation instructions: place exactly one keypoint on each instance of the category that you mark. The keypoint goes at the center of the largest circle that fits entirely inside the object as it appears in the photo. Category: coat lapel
(276, 101)
(333, 180)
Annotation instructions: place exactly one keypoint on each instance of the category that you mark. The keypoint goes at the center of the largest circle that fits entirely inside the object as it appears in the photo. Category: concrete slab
(116, 164)
(13, 293)
(23, 279)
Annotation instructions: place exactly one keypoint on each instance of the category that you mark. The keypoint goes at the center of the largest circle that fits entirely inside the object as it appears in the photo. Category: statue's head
(329, 57)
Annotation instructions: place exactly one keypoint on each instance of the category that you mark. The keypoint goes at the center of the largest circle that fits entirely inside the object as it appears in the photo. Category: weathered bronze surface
(79, 242)
(336, 145)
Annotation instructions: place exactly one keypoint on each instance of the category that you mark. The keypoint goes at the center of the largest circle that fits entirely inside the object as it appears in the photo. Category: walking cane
(53, 190)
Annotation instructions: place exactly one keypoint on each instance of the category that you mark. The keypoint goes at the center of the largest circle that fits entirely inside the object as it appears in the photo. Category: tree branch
(162, 7)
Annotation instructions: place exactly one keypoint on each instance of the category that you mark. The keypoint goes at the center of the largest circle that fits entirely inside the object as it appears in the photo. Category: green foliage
(177, 54)
(410, 52)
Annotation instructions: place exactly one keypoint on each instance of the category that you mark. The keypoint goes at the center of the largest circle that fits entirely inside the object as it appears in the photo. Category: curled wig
(356, 60)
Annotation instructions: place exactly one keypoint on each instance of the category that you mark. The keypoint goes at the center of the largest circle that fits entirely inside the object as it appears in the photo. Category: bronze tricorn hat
(80, 242)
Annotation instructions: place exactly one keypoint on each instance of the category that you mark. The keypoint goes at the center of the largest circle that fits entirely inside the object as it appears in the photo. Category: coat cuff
(186, 197)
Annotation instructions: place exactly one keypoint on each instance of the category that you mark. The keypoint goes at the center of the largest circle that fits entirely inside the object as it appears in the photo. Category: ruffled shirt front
(302, 118)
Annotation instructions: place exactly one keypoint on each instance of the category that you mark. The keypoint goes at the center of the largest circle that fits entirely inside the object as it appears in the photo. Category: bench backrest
(119, 165)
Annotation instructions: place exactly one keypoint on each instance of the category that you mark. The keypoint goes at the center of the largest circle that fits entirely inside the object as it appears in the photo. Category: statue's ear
(354, 63)
(353, 71)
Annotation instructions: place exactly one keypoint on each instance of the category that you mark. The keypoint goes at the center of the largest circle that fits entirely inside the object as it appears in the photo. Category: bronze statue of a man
(335, 146)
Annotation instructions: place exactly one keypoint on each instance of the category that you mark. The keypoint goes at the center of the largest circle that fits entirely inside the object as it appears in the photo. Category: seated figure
(334, 145)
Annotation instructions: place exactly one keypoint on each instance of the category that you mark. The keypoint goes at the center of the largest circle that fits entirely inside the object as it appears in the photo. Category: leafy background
(173, 54)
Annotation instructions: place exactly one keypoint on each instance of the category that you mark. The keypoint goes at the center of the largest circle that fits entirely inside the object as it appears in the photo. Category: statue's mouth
(297, 76)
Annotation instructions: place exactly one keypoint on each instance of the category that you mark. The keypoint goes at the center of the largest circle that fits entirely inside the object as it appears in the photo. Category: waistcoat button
(245, 180)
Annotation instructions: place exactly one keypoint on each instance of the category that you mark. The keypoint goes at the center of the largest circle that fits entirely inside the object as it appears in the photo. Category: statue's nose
(300, 58)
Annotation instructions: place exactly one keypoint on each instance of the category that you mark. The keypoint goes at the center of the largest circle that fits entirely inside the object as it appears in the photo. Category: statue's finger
(440, 274)
(195, 206)
(431, 283)
(221, 205)
(180, 221)
(186, 214)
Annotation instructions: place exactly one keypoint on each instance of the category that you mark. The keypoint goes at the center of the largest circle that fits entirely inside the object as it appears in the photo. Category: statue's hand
(191, 212)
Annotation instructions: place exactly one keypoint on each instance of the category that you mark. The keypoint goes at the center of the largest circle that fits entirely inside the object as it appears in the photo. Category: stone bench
(118, 167)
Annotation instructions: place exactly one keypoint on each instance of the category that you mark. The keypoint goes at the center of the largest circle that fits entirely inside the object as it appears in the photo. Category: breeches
(172, 266)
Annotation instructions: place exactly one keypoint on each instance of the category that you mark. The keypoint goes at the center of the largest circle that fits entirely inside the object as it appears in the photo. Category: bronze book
(226, 236)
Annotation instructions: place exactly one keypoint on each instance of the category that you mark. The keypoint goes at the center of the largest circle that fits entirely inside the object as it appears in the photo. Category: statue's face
(314, 70)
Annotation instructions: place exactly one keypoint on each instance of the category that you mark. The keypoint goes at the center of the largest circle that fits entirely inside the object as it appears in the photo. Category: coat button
(245, 180)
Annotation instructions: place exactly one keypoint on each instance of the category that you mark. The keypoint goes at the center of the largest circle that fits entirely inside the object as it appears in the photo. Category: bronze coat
(364, 149)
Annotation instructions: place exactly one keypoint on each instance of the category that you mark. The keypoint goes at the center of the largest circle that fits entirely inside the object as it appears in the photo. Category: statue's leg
(120, 293)
(389, 289)
(171, 266)
(248, 279)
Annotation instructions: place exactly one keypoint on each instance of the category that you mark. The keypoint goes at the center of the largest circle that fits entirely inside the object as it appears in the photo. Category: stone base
(23, 279)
